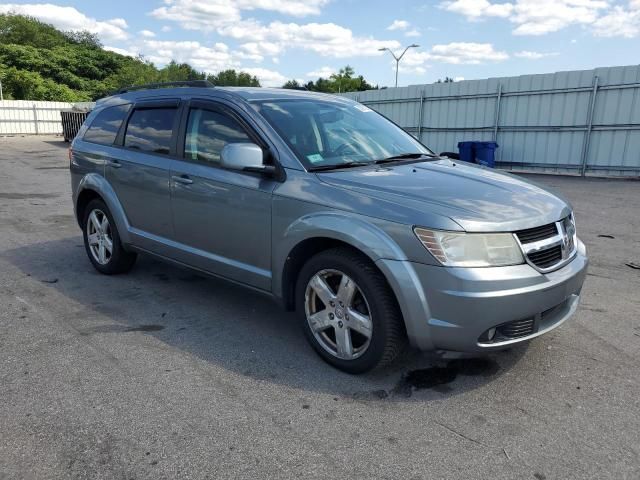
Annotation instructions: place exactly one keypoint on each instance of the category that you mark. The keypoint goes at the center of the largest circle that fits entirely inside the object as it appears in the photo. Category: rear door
(139, 171)
(222, 217)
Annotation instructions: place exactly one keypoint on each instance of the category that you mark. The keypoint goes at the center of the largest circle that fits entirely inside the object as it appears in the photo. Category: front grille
(546, 258)
(516, 329)
(535, 234)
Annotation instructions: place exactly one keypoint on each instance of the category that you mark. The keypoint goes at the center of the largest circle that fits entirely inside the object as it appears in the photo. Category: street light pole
(396, 58)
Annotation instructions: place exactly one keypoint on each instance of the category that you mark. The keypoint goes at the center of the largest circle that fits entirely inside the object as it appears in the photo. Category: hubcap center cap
(339, 312)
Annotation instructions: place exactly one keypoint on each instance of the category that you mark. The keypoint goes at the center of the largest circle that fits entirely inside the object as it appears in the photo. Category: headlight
(456, 249)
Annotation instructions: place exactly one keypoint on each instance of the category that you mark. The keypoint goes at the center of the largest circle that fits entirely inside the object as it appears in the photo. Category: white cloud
(68, 18)
(166, 28)
(211, 14)
(257, 51)
(264, 40)
(474, 9)
(323, 72)
(398, 25)
(532, 17)
(458, 79)
(465, 53)
(268, 78)
(413, 33)
(534, 55)
(405, 68)
(326, 39)
(457, 53)
(147, 33)
(620, 22)
(538, 17)
(122, 51)
(207, 58)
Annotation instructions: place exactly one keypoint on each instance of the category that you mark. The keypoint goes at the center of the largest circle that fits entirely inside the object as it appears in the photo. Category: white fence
(30, 117)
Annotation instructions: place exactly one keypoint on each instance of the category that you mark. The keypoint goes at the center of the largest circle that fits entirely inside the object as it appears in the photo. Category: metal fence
(72, 120)
(580, 122)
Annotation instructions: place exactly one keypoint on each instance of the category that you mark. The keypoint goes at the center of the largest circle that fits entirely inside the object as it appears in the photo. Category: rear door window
(150, 130)
(105, 126)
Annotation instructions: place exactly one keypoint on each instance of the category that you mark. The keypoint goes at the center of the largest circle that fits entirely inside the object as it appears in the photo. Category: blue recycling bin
(486, 153)
(467, 152)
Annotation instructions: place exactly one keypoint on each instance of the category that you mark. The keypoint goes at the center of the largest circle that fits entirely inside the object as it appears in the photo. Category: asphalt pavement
(162, 373)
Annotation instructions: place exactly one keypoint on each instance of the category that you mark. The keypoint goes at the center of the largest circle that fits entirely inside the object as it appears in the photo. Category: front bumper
(452, 308)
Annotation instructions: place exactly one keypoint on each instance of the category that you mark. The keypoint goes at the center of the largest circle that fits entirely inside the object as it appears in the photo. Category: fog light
(491, 333)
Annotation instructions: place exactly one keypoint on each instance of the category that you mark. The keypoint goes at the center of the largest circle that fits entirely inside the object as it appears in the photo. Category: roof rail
(151, 86)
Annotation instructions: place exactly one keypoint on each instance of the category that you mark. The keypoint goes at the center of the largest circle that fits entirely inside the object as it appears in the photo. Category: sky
(277, 40)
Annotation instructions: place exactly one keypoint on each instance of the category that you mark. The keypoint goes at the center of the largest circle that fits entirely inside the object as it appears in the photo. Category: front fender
(99, 184)
(351, 229)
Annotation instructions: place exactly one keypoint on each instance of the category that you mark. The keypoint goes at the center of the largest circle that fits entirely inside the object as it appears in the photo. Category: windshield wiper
(405, 156)
(320, 168)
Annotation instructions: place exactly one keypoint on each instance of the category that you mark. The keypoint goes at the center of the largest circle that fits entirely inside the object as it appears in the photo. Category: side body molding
(97, 183)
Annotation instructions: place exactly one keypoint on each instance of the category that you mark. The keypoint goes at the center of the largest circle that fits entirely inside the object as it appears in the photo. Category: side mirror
(238, 156)
(246, 157)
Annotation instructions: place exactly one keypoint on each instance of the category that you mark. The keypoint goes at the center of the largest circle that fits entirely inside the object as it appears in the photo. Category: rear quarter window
(104, 128)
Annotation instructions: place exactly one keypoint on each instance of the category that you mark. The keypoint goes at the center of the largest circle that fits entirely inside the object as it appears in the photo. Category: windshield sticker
(315, 158)
(362, 108)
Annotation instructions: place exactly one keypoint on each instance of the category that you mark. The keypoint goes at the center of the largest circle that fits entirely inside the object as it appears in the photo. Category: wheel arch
(84, 197)
(94, 186)
(318, 232)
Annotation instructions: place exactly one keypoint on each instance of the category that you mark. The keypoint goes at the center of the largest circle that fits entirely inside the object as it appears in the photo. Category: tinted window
(208, 132)
(149, 130)
(105, 126)
(327, 133)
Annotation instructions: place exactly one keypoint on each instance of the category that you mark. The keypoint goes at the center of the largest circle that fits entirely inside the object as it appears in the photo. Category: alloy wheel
(99, 236)
(338, 314)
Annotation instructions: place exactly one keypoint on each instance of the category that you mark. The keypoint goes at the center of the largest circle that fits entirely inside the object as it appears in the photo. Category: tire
(371, 298)
(108, 263)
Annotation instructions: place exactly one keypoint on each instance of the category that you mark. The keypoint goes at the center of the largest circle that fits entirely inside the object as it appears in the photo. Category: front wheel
(102, 242)
(349, 314)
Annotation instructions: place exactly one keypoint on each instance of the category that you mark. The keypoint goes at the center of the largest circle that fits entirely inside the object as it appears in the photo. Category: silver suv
(331, 209)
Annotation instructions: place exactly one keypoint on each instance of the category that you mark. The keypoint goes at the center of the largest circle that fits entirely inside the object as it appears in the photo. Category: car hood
(476, 198)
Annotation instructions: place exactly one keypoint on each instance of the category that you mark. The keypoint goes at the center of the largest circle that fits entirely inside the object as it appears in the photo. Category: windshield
(324, 134)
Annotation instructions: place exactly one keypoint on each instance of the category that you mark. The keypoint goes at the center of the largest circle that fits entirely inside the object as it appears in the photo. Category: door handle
(183, 179)
(114, 164)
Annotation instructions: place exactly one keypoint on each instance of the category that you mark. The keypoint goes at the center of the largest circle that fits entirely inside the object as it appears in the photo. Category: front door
(221, 217)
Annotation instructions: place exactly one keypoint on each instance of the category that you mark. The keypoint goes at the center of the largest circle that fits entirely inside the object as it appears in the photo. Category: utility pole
(398, 58)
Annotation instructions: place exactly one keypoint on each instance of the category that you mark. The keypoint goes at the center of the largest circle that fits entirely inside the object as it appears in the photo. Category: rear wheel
(349, 314)
(102, 242)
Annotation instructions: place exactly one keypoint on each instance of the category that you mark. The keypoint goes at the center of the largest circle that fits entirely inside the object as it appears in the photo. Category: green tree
(343, 81)
(23, 30)
(39, 62)
(231, 78)
(30, 85)
(293, 85)
(85, 38)
(179, 72)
